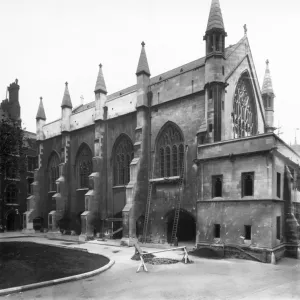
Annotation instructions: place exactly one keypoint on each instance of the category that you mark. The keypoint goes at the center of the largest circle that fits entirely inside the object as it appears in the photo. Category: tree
(12, 155)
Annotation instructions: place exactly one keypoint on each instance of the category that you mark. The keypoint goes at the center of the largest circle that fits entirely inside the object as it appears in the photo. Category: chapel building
(198, 139)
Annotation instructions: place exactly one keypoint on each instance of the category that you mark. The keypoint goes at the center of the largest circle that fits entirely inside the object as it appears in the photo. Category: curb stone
(32, 286)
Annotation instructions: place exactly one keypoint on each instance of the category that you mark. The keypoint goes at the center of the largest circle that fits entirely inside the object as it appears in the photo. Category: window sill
(82, 189)
(12, 204)
(248, 197)
(51, 192)
(119, 186)
(218, 198)
(165, 179)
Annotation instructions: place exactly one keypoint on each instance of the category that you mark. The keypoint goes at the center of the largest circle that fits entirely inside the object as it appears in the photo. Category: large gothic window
(122, 157)
(171, 151)
(53, 171)
(83, 166)
(244, 109)
(11, 194)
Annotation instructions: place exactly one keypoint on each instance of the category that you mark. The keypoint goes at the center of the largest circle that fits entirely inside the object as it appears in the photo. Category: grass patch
(24, 263)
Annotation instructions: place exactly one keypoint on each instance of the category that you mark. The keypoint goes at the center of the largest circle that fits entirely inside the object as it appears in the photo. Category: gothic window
(11, 194)
(12, 170)
(122, 157)
(171, 151)
(247, 184)
(243, 114)
(53, 171)
(84, 166)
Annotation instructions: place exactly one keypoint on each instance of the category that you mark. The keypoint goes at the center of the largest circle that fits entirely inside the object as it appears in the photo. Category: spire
(267, 85)
(41, 112)
(143, 63)
(215, 19)
(100, 84)
(66, 102)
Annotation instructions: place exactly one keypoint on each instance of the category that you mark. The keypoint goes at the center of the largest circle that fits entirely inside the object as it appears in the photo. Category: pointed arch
(244, 110)
(169, 144)
(84, 165)
(53, 170)
(123, 154)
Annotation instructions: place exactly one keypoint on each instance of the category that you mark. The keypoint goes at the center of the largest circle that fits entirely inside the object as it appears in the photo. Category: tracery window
(84, 166)
(243, 114)
(122, 157)
(171, 152)
(11, 194)
(53, 171)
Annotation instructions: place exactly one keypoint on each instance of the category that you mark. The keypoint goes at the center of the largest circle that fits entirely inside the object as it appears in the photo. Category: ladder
(148, 205)
(178, 204)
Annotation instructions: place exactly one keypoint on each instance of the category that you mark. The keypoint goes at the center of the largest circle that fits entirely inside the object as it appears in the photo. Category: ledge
(119, 186)
(245, 199)
(165, 179)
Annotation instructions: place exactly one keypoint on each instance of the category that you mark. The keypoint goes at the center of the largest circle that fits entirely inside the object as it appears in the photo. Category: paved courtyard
(204, 279)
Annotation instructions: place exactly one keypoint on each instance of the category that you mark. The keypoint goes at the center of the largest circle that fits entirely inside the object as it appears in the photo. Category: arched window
(122, 157)
(244, 109)
(83, 166)
(170, 148)
(11, 194)
(53, 171)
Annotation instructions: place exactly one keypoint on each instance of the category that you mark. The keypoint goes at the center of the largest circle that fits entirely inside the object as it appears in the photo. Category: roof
(215, 19)
(66, 102)
(267, 87)
(143, 66)
(100, 83)
(41, 112)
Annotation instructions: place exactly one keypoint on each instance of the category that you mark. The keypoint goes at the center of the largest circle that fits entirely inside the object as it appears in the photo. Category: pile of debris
(152, 260)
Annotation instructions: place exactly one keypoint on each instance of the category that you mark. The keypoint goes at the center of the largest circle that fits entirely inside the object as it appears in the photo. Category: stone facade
(206, 121)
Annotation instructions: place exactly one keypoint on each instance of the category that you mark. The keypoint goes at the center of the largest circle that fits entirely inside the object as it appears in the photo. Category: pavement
(203, 279)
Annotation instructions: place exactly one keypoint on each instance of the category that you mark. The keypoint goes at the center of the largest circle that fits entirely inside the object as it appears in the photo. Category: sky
(45, 43)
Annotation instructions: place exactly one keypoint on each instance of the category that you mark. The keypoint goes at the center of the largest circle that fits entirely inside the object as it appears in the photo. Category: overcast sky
(45, 43)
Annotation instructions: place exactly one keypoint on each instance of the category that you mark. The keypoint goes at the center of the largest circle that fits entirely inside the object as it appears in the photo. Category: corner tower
(214, 70)
(268, 99)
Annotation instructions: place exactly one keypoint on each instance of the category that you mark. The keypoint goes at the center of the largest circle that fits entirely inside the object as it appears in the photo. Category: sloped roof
(215, 19)
(41, 111)
(143, 66)
(267, 87)
(100, 83)
(66, 102)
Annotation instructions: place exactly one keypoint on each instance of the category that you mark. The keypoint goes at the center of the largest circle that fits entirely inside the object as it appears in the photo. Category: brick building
(15, 182)
(200, 134)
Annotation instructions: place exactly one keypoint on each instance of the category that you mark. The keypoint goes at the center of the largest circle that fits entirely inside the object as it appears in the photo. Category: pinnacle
(41, 112)
(267, 87)
(143, 66)
(215, 19)
(66, 102)
(100, 83)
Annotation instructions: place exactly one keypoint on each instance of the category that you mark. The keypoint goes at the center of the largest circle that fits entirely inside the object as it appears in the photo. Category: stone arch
(169, 149)
(12, 219)
(84, 165)
(244, 108)
(53, 170)
(122, 155)
(186, 231)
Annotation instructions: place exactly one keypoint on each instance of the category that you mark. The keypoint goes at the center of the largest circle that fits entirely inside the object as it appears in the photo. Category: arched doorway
(12, 221)
(186, 231)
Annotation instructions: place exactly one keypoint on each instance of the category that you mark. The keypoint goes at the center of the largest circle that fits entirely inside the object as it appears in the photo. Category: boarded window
(278, 185)
(247, 232)
(247, 184)
(217, 230)
(278, 233)
(217, 185)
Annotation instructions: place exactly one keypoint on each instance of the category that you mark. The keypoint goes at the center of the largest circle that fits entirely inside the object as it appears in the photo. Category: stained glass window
(243, 117)
(53, 171)
(123, 155)
(84, 166)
